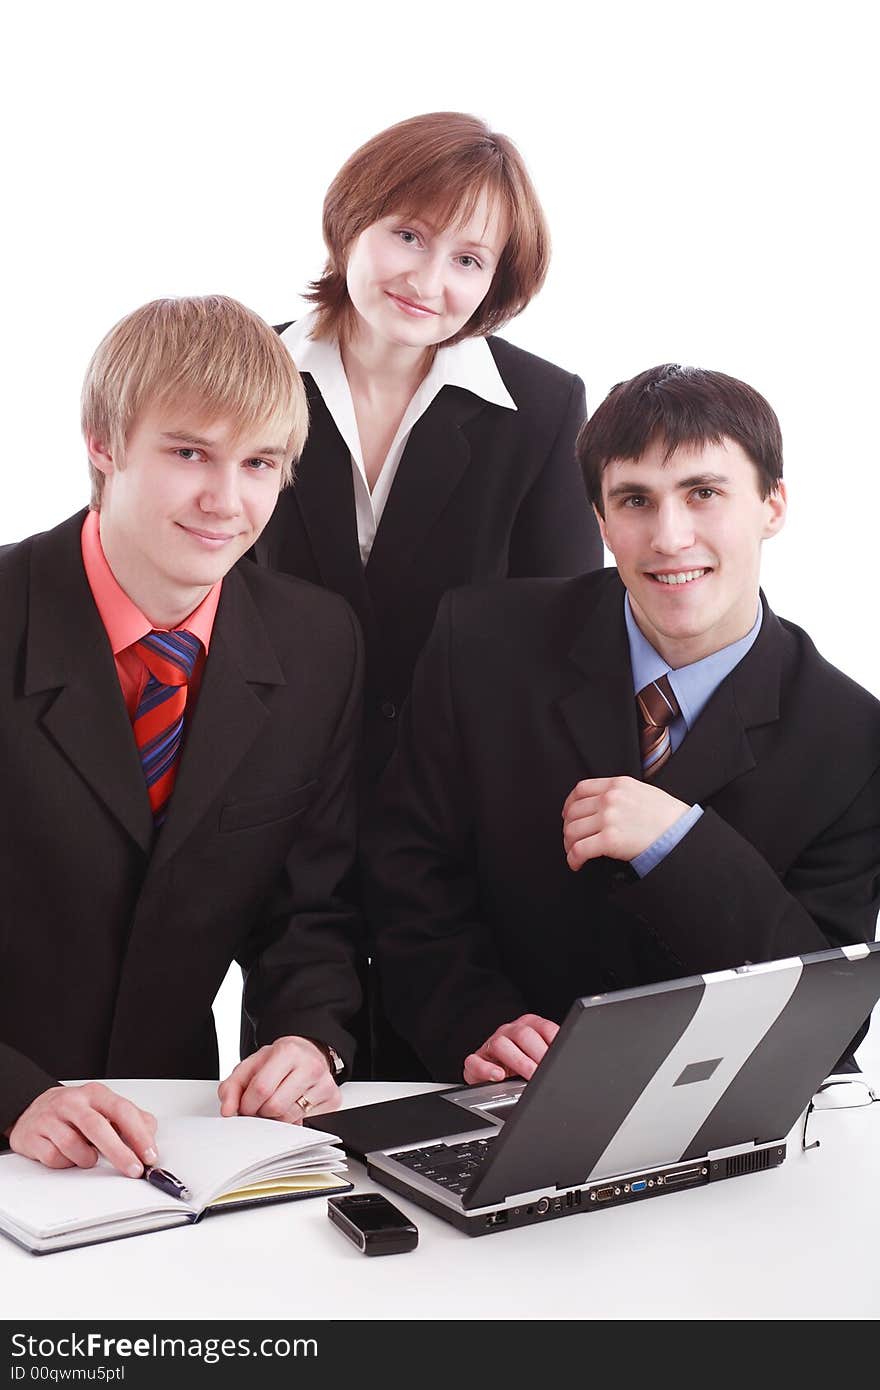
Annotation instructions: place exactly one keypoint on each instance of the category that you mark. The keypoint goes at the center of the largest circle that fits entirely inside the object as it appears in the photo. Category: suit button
(388, 709)
(619, 876)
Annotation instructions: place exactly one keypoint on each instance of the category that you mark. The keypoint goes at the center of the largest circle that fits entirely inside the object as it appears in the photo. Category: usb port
(638, 1186)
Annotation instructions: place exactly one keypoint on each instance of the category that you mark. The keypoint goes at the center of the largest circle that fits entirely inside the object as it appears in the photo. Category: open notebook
(226, 1164)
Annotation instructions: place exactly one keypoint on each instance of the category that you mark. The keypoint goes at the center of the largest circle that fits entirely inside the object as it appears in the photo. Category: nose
(427, 278)
(221, 495)
(673, 527)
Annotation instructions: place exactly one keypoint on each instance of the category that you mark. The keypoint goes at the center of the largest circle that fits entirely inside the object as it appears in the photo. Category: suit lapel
(600, 711)
(229, 715)
(434, 460)
(325, 497)
(718, 749)
(68, 651)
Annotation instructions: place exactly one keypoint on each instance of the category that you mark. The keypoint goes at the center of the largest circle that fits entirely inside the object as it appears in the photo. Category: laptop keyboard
(453, 1166)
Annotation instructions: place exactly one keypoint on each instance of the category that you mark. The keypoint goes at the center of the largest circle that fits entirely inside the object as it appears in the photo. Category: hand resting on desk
(70, 1126)
(274, 1080)
(514, 1049)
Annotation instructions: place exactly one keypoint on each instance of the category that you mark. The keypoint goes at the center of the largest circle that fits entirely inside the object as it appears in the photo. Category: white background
(709, 172)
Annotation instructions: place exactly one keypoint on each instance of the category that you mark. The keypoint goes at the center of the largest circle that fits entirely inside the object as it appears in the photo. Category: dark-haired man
(623, 777)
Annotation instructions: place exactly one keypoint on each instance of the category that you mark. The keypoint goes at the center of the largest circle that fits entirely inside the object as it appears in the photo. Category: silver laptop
(644, 1092)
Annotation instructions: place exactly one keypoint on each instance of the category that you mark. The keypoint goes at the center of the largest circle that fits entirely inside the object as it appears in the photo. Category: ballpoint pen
(166, 1182)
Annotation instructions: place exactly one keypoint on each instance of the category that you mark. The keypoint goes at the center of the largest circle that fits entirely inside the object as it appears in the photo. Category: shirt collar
(123, 621)
(468, 364)
(693, 685)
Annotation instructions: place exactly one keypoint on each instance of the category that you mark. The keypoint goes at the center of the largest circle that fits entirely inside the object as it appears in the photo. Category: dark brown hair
(435, 165)
(680, 406)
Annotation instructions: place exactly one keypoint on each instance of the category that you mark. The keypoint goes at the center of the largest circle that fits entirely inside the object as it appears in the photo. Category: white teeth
(683, 578)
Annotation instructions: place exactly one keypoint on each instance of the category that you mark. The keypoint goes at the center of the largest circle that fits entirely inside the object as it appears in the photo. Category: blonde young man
(178, 738)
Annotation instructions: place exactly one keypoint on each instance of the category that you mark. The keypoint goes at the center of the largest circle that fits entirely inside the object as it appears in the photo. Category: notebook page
(211, 1155)
(46, 1200)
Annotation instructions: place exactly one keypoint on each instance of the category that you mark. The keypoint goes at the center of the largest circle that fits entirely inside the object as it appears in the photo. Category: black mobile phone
(375, 1225)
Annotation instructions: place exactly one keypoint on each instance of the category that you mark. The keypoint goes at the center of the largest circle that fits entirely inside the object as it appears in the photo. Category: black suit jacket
(112, 948)
(481, 493)
(522, 690)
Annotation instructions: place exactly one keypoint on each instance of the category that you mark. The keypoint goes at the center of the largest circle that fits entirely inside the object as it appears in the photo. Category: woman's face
(415, 284)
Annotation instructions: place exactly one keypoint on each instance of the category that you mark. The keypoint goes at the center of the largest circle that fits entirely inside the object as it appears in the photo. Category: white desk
(798, 1242)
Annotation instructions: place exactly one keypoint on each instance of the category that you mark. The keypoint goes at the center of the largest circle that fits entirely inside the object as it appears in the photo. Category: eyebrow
(684, 484)
(434, 229)
(184, 437)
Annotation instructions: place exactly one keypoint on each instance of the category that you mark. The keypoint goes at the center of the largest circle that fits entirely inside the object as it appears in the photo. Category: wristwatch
(334, 1061)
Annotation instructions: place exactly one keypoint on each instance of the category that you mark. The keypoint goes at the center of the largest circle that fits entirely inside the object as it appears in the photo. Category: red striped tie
(170, 658)
(657, 708)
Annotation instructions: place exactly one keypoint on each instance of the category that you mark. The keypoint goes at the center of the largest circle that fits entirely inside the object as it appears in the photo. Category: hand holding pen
(72, 1126)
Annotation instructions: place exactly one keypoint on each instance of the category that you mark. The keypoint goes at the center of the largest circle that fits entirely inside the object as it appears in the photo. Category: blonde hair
(209, 352)
(437, 165)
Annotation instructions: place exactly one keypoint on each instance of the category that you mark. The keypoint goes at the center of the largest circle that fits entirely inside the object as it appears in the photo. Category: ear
(100, 456)
(603, 529)
(776, 506)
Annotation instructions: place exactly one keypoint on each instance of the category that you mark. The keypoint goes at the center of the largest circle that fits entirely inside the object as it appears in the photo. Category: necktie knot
(657, 708)
(170, 657)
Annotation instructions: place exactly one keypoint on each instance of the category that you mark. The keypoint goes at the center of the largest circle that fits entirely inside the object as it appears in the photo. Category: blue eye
(468, 261)
(408, 238)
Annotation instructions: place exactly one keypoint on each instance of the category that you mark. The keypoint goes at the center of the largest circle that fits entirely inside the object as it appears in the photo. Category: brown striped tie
(657, 707)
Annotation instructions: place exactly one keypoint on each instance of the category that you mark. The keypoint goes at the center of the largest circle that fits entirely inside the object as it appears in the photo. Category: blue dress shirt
(693, 687)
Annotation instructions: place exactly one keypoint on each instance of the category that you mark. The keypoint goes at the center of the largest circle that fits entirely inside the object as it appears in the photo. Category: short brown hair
(680, 406)
(209, 351)
(436, 164)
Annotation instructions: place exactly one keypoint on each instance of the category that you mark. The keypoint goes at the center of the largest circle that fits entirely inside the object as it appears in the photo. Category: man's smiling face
(189, 498)
(686, 534)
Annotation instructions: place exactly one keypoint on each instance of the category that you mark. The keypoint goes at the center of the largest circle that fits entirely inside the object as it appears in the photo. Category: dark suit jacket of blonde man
(112, 947)
(525, 687)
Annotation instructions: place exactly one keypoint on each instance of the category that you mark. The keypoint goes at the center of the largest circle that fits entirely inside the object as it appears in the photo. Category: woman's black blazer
(481, 493)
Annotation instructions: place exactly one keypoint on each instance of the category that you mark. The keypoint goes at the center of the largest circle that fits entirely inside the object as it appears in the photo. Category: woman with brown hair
(436, 455)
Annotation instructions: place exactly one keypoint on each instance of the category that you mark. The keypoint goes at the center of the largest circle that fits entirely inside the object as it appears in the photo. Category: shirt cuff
(657, 852)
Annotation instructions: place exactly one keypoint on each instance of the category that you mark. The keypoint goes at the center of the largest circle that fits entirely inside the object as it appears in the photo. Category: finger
(580, 829)
(516, 1060)
(589, 787)
(98, 1130)
(329, 1098)
(283, 1104)
(478, 1068)
(529, 1041)
(322, 1095)
(264, 1082)
(582, 806)
(593, 847)
(136, 1127)
(69, 1142)
(37, 1147)
(232, 1089)
(545, 1026)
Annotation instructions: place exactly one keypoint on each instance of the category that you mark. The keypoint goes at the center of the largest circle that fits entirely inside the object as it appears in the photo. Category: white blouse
(468, 364)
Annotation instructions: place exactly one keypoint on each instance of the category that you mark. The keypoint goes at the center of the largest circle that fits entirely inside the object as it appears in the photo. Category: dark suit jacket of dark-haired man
(112, 948)
(526, 687)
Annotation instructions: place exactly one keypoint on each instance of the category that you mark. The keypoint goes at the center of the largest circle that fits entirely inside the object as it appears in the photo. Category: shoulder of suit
(825, 685)
(518, 605)
(17, 553)
(526, 370)
(278, 593)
